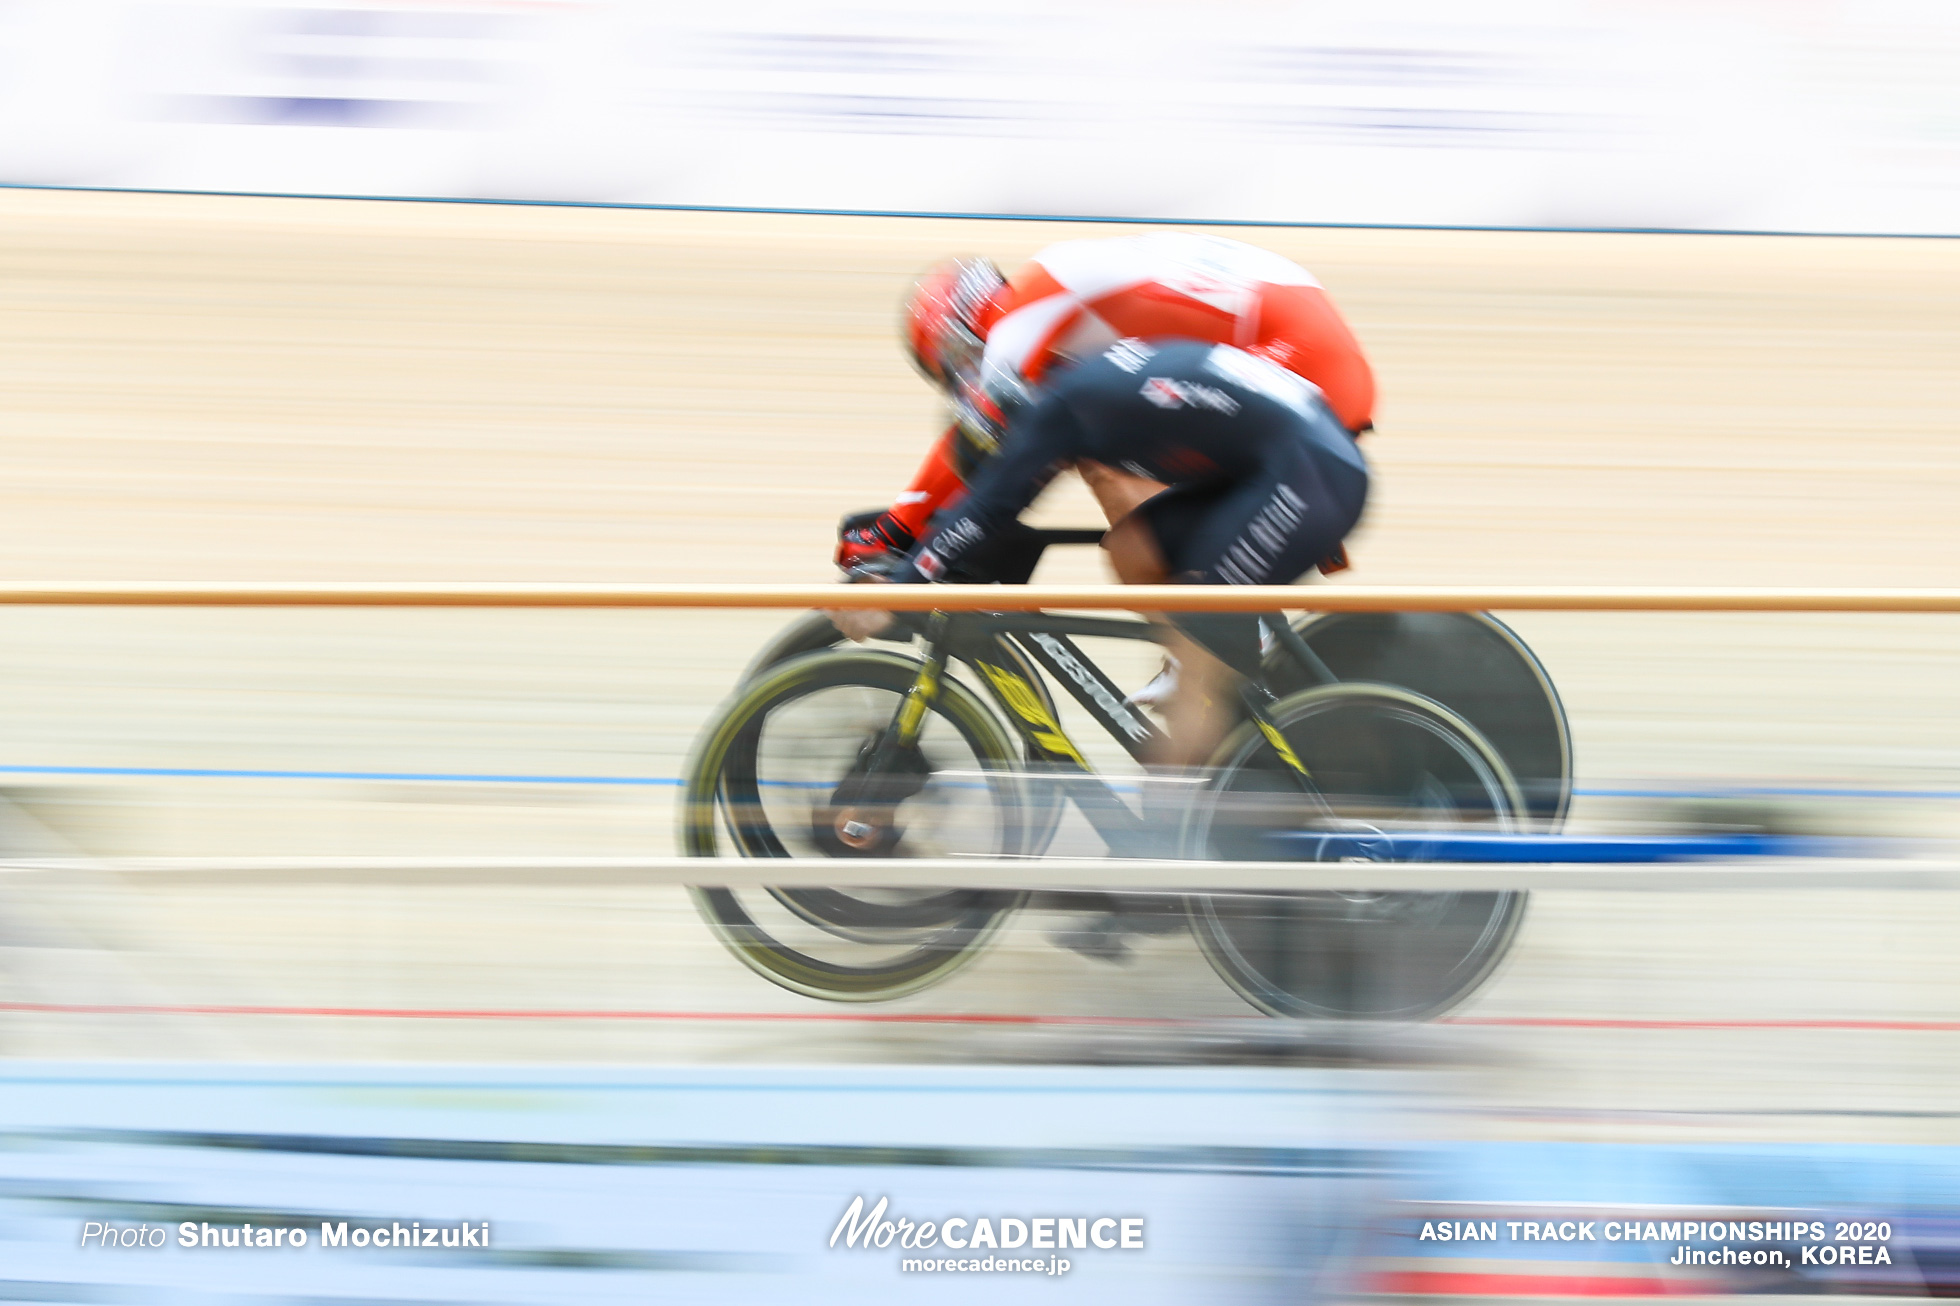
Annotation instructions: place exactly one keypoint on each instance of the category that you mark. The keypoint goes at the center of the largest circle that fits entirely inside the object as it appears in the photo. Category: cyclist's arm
(1035, 449)
(936, 485)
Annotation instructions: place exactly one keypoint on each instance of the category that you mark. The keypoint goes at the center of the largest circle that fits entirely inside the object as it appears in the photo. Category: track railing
(1056, 874)
(1047, 873)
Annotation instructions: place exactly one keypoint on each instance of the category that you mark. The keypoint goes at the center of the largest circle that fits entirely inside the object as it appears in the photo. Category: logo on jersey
(1262, 376)
(1250, 559)
(1130, 355)
(1166, 393)
(1212, 285)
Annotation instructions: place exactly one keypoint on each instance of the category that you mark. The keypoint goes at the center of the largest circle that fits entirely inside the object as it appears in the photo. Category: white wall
(1777, 114)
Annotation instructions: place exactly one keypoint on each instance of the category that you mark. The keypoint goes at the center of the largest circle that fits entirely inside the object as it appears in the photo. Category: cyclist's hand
(860, 624)
(878, 539)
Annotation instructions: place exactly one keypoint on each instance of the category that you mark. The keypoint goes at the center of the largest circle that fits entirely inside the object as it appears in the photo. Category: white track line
(1057, 873)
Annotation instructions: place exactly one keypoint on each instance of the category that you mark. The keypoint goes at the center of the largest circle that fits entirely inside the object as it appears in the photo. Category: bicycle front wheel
(788, 771)
(1384, 761)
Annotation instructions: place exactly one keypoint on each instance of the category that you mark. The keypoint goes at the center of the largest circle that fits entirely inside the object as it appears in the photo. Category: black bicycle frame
(988, 642)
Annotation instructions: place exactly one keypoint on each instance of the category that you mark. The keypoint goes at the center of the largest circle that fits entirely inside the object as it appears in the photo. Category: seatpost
(1299, 650)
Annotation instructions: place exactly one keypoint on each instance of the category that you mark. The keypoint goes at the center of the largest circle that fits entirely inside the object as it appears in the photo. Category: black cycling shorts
(1267, 529)
(1270, 528)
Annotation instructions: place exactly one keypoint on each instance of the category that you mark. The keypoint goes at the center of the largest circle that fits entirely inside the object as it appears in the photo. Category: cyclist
(1262, 481)
(1076, 299)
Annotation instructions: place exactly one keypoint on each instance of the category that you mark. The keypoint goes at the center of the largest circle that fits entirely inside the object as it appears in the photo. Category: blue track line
(1767, 791)
(768, 210)
(1618, 850)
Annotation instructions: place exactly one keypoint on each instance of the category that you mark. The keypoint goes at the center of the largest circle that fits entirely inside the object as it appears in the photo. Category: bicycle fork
(910, 718)
(861, 819)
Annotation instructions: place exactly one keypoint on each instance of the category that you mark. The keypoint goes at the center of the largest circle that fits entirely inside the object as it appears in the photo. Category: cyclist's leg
(1139, 558)
(1136, 558)
(1134, 552)
(1266, 530)
(1198, 707)
(1117, 493)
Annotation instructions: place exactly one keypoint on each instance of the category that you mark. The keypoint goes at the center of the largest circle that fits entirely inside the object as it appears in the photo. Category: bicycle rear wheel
(1469, 662)
(786, 772)
(1384, 760)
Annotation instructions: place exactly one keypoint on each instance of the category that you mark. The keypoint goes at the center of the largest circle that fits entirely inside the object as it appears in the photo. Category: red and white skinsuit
(1077, 298)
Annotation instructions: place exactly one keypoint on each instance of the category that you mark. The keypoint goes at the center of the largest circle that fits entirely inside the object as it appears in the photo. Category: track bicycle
(1470, 662)
(856, 753)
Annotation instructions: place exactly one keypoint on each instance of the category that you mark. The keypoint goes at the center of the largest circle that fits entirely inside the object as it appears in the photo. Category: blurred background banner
(698, 1185)
(1738, 114)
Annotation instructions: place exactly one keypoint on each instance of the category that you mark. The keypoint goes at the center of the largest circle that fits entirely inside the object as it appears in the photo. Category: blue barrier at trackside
(1378, 846)
(680, 1184)
(725, 1185)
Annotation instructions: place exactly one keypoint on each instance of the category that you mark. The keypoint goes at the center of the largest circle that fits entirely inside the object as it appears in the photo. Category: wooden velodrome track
(258, 389)
(222, 387)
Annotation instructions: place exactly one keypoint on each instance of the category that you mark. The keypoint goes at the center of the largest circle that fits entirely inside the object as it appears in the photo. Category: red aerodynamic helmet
(945, 314)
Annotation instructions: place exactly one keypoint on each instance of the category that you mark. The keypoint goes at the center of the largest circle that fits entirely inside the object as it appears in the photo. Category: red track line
(1584, 1022)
